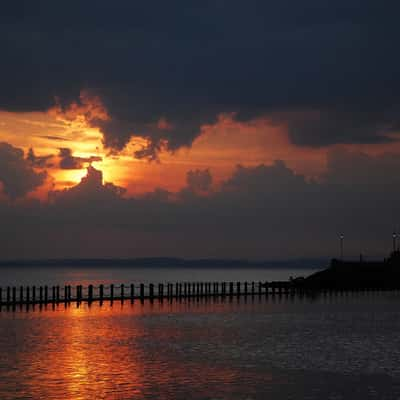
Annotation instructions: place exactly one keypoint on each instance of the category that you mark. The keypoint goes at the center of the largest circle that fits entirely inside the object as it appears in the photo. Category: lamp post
(341, 237)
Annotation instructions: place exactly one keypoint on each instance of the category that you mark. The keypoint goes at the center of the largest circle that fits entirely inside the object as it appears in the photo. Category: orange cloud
(219, 148)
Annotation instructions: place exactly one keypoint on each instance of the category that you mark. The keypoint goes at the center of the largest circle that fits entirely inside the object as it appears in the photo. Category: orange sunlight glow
(219, 147)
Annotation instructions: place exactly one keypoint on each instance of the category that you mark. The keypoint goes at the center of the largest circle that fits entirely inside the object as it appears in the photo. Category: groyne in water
(12, 296)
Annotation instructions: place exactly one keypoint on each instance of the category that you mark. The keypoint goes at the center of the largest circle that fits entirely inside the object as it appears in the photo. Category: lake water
(330, 347)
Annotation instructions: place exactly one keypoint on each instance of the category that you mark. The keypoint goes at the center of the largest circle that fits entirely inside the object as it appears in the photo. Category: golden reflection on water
(98, 358)
(240, 349)
(105, 352)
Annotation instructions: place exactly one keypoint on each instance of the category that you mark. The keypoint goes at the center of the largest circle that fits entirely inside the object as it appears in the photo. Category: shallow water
(344, 347)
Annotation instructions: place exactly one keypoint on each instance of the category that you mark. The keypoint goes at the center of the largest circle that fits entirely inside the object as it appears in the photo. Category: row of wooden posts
(57, 294)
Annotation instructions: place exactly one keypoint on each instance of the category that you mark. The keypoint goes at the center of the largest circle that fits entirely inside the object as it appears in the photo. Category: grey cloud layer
(187, 62)
(16, 173)
(259, 212)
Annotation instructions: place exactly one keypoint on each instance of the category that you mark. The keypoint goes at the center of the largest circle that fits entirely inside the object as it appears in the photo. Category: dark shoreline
(351, 275)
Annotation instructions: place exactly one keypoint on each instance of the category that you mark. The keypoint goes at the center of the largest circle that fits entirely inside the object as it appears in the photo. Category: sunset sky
(226, 129)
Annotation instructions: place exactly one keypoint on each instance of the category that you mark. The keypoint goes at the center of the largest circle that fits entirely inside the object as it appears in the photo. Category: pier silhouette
(32, 295)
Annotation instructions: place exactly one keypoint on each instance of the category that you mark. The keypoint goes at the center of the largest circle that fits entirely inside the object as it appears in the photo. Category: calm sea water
(84, 276)
(344, 347)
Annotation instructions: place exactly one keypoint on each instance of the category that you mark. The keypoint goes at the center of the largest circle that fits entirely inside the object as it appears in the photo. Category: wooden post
(21, 294)
(231, 289)
(46, 294)
(132, 292)
(90, 293)
(14, 295)
(8, 295)
(111, 292)
(41, 294)
(54, 294)
(252, 288)
(1, 295)
(65, 293)
(58, 294)
(142, 292)
(259, 288)
(238, 289)
(101, 293)
(77, 293)
(245, 289)
(122, 292)
(151, 291)
(27, 294)
(160, 291)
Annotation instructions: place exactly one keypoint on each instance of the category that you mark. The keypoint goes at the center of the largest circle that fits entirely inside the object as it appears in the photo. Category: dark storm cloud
(16, 173)
(265, 211)
(38, 161)
(355, 168)
(69, 161)
(199, 180)
(276, 177)
(189, 61)
(56, 138)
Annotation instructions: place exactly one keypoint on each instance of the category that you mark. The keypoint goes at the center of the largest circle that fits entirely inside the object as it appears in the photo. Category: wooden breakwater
(31, 295)
(11, 296)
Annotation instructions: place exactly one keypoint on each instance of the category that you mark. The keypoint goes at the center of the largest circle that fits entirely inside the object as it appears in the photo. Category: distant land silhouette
(351, 275)
(166, 262)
